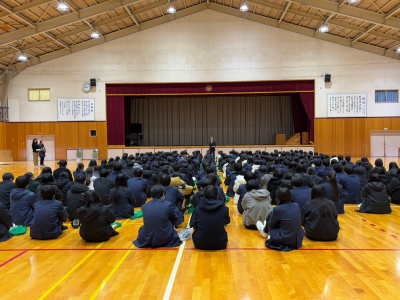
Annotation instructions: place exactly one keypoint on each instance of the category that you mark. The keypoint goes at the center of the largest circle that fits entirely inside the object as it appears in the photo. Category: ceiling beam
(9, 10)
(23, 7)
(392, 12)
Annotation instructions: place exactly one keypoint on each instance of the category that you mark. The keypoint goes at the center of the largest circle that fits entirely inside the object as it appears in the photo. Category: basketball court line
(13, 258)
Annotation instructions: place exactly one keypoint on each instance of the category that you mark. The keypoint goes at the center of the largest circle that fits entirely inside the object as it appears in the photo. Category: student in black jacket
(5, 223)
(5, 188)
(208, 221)
(64, 184)
(103, 186)
(75, 196)
(47, 179)
(393, 188)
(311, 178)
(361, 173)
(33, 184)
(333, 191)
(95, 219)
(197, 197)
(122, 199)
(274, 183)
(62, 168)
(375, 198)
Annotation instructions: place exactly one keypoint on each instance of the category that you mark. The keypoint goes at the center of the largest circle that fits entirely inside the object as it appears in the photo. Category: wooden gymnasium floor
(364, 263)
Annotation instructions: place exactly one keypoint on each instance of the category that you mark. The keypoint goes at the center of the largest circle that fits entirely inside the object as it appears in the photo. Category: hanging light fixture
(324, 29)
(22, 57)
(95, 34)
(353, 1)
(171, 9)
(62, 6)
(398, 50)
(244, 7)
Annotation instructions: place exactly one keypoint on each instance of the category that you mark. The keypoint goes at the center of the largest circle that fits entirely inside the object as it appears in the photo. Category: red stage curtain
(300, 118)
(307, 99)
(116, 120)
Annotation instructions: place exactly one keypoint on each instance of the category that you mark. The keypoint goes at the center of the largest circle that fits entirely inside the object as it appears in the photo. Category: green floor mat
(190, 210)
(19, 230)
(137, 215)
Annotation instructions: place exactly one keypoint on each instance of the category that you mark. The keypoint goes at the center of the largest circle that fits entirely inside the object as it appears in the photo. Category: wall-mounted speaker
(327, 77)
(92, 81)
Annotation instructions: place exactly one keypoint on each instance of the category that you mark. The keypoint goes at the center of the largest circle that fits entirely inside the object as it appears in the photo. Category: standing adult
(35, 151)
(212, 145)
(42, 153)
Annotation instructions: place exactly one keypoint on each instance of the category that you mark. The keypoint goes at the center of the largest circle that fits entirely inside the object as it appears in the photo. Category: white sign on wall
(75, 109)
(347, 105)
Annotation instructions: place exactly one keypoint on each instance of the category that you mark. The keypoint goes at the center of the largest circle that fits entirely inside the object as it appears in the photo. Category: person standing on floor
(212, 145)
(35, 150)
(42, 153)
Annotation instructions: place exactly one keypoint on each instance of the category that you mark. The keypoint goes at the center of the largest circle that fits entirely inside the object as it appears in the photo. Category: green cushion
(95, 154)
(190, 209)
(138, 214)
(116, 223)
(19, 230)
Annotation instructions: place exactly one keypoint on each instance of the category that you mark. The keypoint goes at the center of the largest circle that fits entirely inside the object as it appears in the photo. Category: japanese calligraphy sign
(75, 109)
(347, 105)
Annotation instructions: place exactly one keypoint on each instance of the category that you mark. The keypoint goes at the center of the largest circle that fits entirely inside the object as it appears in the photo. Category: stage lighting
(171, 10)
(244, 7)
(324, 29)
(22, 57)
(95, 35)
(62, 6)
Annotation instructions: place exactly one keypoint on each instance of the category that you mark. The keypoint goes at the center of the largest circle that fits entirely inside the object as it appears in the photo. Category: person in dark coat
(319, 217)
(393, 188)
(322, 172)
(213, 145)
(47, 179)
(130, 171)
(338, 168)
(75, 196)
(333, 191)
(35, 151)
(261, 172)
(237, 167)
(311, 178)
(33, 184)
(122, 199)
(214, 179)
(42, 153)
(49, 215)
(174, 196)
(117, 170)
(44, 171)
(63, 168)
(197, 197)
(274, 183)
(348, 161)
(5, 223)
(103, 186)
(22, 202)
(286, 181)
(208, 221)
(64, 184)
(300, 193)
(152, 180)
(378, 169)
(351, 187)
(375, 198)
(159, 217)
(95, 219)
(80, 169)
(284, 224)
(5, 189)
(360, 171)
(139, 187)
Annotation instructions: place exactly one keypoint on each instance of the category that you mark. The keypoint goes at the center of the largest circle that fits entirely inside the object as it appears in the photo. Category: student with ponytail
(333, 191)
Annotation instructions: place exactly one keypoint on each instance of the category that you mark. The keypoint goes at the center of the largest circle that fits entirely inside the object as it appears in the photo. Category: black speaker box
(92, 81)
(327, 77)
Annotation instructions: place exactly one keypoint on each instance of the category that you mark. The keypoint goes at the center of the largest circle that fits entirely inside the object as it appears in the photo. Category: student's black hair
(90, 199)
(297, 181)
(104, 173)
(326, 162)
(271, 169)
(130, 163)
(176, 167)
(210, 192)
(117, 158)
(318, 198)
(29, 175)
(46, 170)
(125, 156)
(311, 171)
(80, 178)
(103, 161)
(157, 191)
(96, 197)
(340, 157)
(8, 176)
(165, 180)
(338, 168)
(47, 177)
(79, 167)
(317, 162)
(248, 176)
(209, 169)
(48, 192)
(117, 166)
(213, 178)
(138, 172)
(88, 175)
(278, 173)
(348, 158)
(97, 169)
(238, 167)
(205, 182)
(349, 170)
(336, 194)
(92, 163)
(378, 162)
(374, 177)
(252, 185)
(288, 175)
(393, 165)
(283, 195)
(120, 181)
(359, 163)
(22, 182)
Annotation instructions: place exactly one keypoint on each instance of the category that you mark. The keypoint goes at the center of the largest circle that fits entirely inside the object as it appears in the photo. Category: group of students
(308, 189)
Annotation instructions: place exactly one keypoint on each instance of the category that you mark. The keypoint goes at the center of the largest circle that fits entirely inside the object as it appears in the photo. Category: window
(387, 96)
(39, 94)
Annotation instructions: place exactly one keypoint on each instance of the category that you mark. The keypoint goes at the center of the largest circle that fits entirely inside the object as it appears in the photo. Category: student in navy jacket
(300, 193)
(338, 168)
(159, 218)
(5, 188)
(351, 187)
(237, 167)
(139, 187)
(322, 172)
(117, 170)
(174, 196)
(208, 221)
(122, 200)
(284, 224)
(317, 164)
(214, 179)
(348, 161)
(197, 197)
(5, 223)
(80, 170)
(333, 191)
(22, 202)
(49, 215)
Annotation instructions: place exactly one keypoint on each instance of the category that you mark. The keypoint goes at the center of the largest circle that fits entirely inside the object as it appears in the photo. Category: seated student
(75, 196)
(311, 178)
(351, 187)
(300, 193)
(393, 188)
(5, 223)
(237, 167)
(129, 169)
(256, 204)
(221, 193)
(392, 172)
(286, 181)
(48, 179)
(173, 195)
(152, 180)
(62, 168)
(338, 168)
(267, 177)
(44, 171)
(241, 191)
(117, 170)
(375, 198)
(319, 217)
(159, 218)
(283, 224)
(96, 172)
(322, 172)
(348, 161)
(300, 171)
(197, 197)
(79, 170)
(360, 171)
(33, 184)
(378, 169)
(139, 187)
(124, 158)
(5, 189)
(122, 199)
(239, 181)
(49, 215)
(261, 172)
(176, 168)
(22, 202)
(89, 178)
(333, 191)
(95, 219)
(103, 186)
(274, 182)
(64, 184)
(318, 165)
(208, 221)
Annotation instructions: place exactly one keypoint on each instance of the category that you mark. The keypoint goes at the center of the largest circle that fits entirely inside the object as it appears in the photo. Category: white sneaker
(260, 226)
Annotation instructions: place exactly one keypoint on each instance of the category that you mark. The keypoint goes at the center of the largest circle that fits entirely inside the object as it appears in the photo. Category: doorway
(385, 143)
(48, 141)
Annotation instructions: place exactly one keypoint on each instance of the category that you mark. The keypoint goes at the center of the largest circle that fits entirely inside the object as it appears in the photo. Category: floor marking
(301, 249)
(95, 249)
(373, 225)
(382, 230)
(11, 259)
(394, 236)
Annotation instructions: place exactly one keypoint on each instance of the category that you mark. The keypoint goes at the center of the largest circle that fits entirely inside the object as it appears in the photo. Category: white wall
(208, 46)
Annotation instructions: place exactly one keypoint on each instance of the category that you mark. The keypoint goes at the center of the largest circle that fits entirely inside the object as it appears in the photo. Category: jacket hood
(260, 195)
(62, 182)
(90, 214)
(263, 168)
(18, 193)
(147, 174)
(240, 179)
(78, 188)
(210, 204)
(377, 186)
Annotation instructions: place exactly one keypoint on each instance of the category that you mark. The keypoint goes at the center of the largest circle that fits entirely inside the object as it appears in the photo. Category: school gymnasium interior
(94, 79)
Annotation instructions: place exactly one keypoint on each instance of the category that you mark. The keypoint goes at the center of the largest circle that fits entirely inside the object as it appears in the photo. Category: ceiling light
(324, 28)
(62, 6)
(95, 35)
(244, 7)
(171, 10)
(354, 1)
(22, 57)
(398, 50)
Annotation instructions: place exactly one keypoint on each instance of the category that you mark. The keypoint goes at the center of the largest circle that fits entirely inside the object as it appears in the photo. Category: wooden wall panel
(67, 135)
(349, 136)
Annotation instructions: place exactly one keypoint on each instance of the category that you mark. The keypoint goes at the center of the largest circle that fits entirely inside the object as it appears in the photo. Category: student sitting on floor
(48, 217)
(323, 171)
(103, 186)
(159, 218)
(79, 170)
(214, 180)
(95, 219)
(319, 217)
(375, 198)
(139, 187)
(5, 189)
(173, 195)
(208, 221)
(33, 184)
(237, 168)
(286, 182)
(333, 191)
(241, 191)
(22, 202)
(5, 223)
(122, 199)
(393, 188)
(274, 183)
(256, 204)
(360, 171)
(351, 187)
(311, 178)
(197, 197)
(64, 184)
(48, 179)
(75, 196)
(300, 193)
